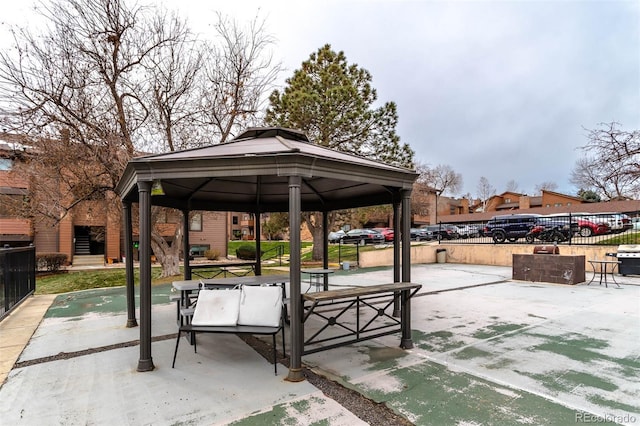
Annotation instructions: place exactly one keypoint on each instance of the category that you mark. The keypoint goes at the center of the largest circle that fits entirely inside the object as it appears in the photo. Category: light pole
(438, 193)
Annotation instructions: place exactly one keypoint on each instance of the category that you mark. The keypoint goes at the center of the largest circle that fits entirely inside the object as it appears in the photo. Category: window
(507, 200)
(234, 220)
(6, 164)
(195, 223)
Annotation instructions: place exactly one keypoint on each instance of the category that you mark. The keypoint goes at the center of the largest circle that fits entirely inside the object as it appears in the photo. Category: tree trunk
(314, 223)
(168, 254)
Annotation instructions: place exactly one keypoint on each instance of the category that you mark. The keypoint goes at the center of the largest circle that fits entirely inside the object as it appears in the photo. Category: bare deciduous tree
(114, 80)
(442, 178)
(545, 186)
(611, 164)
(485, 191)
(76, 91)
(512, 186)
(239, 71)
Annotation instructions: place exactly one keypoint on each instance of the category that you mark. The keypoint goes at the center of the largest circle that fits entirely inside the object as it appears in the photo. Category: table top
(603, 261)
(230, 282)
(221, 264)
(344, 293)
(317, 271)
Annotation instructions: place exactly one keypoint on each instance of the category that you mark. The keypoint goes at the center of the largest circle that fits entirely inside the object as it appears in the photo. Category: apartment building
(92, 231)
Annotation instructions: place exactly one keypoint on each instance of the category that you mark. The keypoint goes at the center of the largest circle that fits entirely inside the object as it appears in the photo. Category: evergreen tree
(332, 101)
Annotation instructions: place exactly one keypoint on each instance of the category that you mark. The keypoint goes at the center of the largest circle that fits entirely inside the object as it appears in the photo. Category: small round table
(604, 270)
(318, 277)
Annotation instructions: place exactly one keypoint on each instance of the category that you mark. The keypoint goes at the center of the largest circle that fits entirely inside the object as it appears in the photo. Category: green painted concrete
(431, 394)
(104, 301)
(496, 330)
(437, 341)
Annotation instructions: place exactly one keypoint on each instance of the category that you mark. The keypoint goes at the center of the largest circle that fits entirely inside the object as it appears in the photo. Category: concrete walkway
(488, 350)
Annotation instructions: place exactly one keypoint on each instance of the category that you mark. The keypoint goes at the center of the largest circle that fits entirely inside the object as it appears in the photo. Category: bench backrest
(249, 305)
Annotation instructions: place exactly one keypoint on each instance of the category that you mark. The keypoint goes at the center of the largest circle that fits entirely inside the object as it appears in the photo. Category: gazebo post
(325, 246)
(406, 342)
(185, 244)
(396, 254)
(258, 231)
(145, 363)
(128, 261)
(297, 330)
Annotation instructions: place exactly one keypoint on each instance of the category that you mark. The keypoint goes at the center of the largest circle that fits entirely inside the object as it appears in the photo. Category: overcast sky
(501, 89)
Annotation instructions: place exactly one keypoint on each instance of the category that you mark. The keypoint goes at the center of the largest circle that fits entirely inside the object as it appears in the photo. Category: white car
(335, 237)
(613, 220)
(468, 231)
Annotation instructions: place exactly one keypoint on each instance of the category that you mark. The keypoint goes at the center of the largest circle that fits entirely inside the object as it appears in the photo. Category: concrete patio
(488, 350)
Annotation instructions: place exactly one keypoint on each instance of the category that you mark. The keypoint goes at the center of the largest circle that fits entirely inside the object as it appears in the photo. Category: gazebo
(262, 170)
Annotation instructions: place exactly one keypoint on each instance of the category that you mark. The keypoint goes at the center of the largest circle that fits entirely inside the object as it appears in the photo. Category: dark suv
(510, 227)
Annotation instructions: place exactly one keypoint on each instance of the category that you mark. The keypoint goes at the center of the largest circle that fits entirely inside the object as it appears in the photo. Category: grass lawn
(64, 282)
(114, 277)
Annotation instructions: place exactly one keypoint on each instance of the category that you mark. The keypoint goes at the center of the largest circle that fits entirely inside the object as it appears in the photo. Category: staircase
(82, 245)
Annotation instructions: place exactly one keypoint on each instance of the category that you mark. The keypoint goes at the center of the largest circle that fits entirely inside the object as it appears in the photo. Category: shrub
(50, 261)
(247, 252)
(212, 254)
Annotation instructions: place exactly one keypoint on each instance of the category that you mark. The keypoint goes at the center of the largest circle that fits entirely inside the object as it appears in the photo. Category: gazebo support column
(325, 246)
(396, 254)
(145, 363)
(406, 341)
(128, 261)
(258, 236)
(297, 330)
(185, 244)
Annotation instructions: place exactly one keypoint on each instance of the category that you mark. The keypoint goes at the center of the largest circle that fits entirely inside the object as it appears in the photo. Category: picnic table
(213, 270)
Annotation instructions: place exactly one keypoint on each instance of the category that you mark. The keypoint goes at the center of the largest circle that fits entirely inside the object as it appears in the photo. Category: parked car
(421, 234)
(618, 222)
(388, 233)
(362, 237)
(510, 227)
(335, 237)
(589, 228)
(441, 232)
(468, 231)
(614, 223)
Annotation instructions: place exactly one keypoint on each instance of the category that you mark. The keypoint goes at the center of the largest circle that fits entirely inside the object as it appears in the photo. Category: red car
(386, 232)
(589, 228)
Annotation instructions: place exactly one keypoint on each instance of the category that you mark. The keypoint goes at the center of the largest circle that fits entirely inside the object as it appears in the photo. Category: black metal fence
(17, 276)
(570, 229)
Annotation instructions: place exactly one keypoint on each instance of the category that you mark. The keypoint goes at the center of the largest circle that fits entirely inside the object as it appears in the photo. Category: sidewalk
(487, 351)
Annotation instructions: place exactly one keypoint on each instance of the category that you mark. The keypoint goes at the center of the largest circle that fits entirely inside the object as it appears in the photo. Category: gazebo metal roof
(263, 170)
(251, 173)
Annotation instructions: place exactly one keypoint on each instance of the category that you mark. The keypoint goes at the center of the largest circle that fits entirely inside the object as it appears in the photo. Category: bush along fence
(17, 277)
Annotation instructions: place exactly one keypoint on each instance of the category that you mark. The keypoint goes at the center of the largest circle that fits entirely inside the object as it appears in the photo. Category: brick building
(91, 231)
